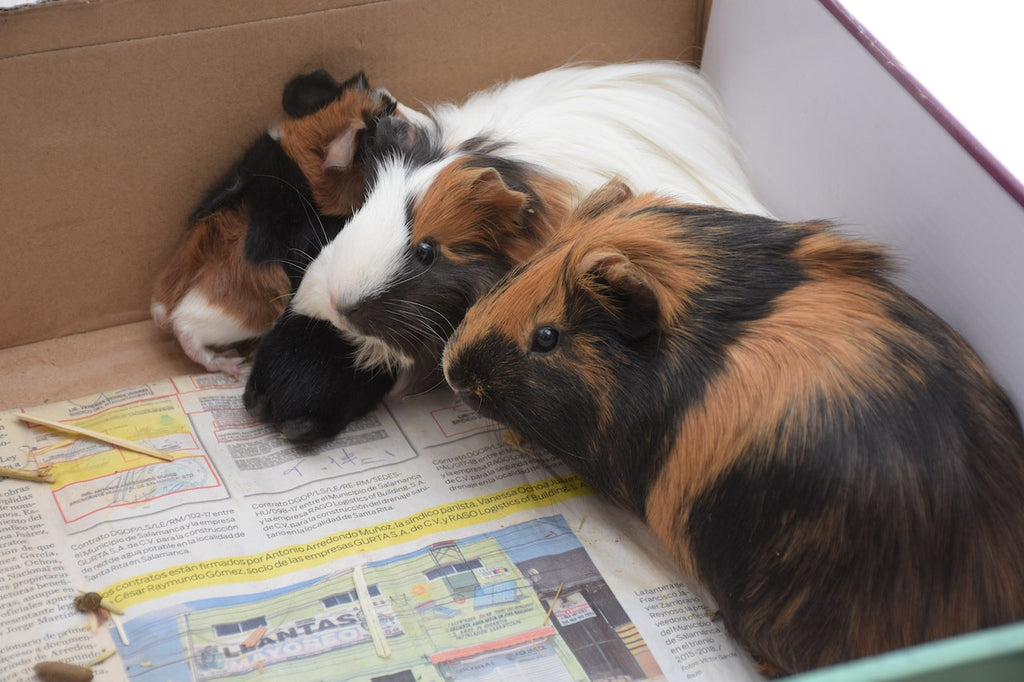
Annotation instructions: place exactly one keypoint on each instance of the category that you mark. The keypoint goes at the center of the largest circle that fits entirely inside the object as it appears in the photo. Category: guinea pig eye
(544, 339)
(426, 252)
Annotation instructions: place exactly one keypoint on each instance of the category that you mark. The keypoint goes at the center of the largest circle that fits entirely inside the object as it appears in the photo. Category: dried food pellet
(90, 601)
(52, 671)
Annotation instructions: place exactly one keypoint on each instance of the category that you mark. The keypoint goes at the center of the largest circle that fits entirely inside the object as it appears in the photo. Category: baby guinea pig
(830, 459)
(257, 228)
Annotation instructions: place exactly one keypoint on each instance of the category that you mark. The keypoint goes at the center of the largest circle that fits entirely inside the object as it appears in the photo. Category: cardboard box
(118, 114)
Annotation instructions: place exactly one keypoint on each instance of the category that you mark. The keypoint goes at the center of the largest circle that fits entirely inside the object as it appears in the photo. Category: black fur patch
(284, 226)
(304, 383)
(420, 312)
(310, 92)
(389, 138)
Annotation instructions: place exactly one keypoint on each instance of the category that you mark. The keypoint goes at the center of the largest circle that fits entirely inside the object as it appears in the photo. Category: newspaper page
(416, 545)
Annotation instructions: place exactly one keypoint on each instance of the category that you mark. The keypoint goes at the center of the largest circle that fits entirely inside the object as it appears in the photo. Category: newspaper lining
(241, 556)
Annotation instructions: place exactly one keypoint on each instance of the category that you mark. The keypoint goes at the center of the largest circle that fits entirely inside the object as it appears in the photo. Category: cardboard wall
(108, 144)
(117, 114)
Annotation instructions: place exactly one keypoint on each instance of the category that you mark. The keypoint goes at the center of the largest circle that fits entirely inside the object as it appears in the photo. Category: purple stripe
(954, 127)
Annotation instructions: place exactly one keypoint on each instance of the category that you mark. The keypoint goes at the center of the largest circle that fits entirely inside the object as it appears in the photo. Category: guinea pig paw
(305, 430)
(228, 362)
(256, 402)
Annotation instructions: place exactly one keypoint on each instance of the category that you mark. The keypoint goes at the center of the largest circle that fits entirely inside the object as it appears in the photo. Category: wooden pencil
(96, 435)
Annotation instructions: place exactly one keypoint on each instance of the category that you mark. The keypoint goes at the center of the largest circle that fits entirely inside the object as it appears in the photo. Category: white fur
(656, 125)
(366, 260)
(200, 326)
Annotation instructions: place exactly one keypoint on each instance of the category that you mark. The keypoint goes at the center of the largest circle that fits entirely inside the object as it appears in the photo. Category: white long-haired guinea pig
(828, 457)
(455, 202)
(257, 228)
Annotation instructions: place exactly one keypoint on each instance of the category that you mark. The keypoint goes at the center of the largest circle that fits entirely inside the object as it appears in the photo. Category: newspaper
(416, 545)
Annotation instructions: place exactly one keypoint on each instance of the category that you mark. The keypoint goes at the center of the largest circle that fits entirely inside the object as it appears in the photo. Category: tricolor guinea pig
(456, 201)
(823, 453)
(257, 228)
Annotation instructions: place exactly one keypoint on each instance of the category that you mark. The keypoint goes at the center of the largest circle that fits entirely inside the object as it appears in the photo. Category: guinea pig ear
(501, 204)
(623, 290)
(604, 198)
(310, 92)
(341, 151)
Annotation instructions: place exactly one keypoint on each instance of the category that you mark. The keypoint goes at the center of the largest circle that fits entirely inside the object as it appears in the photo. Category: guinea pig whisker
(428, 331)
(287, 261)
(413, 276)
(307, 258)
(427, 390)
(558, 450)
(414, 322)
(451, 327)
(402, 332)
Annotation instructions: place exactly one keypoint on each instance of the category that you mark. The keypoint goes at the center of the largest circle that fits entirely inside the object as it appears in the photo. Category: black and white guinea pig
(828, 457)
(454, 202)
(304, 379)
(257, 227)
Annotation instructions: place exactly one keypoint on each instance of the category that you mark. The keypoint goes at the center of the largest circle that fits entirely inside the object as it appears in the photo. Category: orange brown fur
(830, 459)
(211, 260)
(336, 191)
(470, 205)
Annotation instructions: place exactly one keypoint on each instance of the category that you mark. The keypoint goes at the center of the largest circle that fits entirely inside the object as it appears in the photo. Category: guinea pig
(453, 203)
(257, 228)
(823, 453)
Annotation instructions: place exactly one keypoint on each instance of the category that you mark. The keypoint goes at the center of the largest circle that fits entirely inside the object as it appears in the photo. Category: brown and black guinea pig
(823, 453)
(260, 224)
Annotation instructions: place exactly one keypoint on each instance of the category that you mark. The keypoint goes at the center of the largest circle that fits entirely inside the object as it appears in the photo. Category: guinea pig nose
(454, 373)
